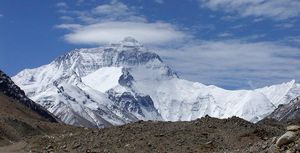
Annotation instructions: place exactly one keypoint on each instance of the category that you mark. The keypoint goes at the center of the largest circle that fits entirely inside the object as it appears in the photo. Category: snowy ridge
(125, 82)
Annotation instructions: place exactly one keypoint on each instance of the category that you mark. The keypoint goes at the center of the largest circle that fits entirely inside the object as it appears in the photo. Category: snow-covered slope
(104, 78)
(125, 82)
(281, 94)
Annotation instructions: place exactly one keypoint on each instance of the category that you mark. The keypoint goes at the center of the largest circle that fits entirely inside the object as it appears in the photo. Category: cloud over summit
(112, 22)
(107, 32)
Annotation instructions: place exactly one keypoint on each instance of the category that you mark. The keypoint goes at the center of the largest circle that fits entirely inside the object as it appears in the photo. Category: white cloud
(107, 32)
(159, 1)
(275, 9)
(62, 4)
(113, 11)
(80, 1)
(112, 22)
(114, 8)
(229, 18)
(1, 15)
(293, 40)
(234, 63)
(285, 25)
(66, 18)
(225, 34)
(71, 27)
(296, 39)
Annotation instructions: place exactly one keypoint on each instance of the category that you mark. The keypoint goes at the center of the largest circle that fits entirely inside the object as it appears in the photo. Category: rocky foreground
(203, 135)
(289, 142)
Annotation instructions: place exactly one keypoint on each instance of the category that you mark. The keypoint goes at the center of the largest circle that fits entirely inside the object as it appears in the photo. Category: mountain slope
(19, 116)
(125, 82)
(8, 88)
(287, 112)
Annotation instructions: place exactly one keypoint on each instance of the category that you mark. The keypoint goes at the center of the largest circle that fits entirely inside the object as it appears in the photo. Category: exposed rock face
(287, 112)
(135, 103)
(8, 88)
(126, 78)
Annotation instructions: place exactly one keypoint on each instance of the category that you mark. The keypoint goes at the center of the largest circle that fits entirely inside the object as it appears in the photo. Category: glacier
(125, 82)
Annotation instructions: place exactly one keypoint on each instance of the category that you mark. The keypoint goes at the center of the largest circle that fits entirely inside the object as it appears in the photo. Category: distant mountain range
(125, 82)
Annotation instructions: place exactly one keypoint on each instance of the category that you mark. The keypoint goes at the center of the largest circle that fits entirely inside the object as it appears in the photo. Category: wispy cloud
(112, 22)
(284, 25)
(114, 9)
(159, 1)
(67, 18)
(274, 9)
(225, 34)
(234, 63)
(293, 40)
(62, 5)
(1, 15)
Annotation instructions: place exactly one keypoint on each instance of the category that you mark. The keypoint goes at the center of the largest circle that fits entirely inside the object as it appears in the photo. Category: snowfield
(103, 79)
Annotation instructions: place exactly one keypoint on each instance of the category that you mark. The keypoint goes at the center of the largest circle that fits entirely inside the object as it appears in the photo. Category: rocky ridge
(287, 112)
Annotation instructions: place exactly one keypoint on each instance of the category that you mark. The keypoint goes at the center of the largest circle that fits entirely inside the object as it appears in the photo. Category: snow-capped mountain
(125, 82)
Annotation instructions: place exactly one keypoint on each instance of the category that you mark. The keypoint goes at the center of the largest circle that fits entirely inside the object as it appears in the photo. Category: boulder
(293, 128)
(286, 138)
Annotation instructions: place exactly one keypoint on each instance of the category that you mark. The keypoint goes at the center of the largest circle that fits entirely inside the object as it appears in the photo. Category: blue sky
(229, 43)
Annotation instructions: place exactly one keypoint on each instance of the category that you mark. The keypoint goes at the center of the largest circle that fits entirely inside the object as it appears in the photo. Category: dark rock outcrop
(8, 88)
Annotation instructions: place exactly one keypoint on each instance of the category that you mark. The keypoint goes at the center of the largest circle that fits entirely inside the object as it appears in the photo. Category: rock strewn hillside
(202, 135)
